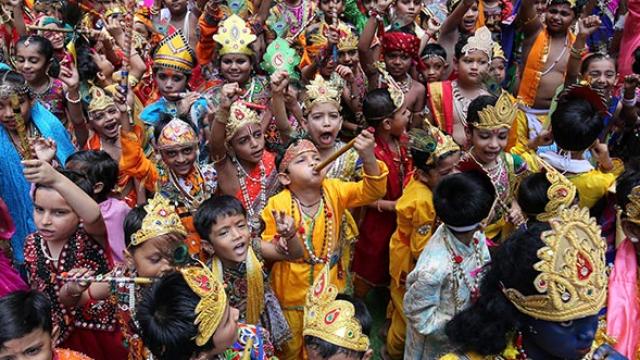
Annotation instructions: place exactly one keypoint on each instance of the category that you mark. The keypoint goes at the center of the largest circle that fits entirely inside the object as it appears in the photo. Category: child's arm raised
(40, 172)
(288, 246)
(279, 84)
(450, 24)
(586, 26)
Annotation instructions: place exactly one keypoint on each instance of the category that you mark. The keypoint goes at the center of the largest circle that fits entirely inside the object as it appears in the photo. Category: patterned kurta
(434, 295)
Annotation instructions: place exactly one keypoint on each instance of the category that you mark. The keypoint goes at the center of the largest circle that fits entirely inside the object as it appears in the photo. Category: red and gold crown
(561, 192)
(176, 134)
(320, 91)
(239, 116)
(174, 53)
(161, 219)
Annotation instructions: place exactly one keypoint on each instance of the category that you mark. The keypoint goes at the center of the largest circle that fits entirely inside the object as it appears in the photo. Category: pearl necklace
(307, 234)
(458, 271)
(254, 221)
(45, 252)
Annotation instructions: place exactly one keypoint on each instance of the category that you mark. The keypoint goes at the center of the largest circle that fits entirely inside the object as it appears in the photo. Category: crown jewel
(498, 53)
(161, 219)
(561, 193)
(280, 56)
(499, 116)
(332, 320)
(213, 300)
(174, 53)
(443, 143)
(176, 133)
(99, 99)
(572, 283)
(320, 91)
(396, 93)
(239, 116)
(234, 36)
(349, 41)
(480, 41)
(632, 209)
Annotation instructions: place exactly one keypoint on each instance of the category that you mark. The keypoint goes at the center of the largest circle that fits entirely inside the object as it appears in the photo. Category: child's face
(56, 37)
(7, 117)
(408, 9)
(248, 143)
(368, 4)
(176, 6)
(106, 122)
(327, 68)
(323, 124)
(435, 68)
(398, 63)
(472, 66)
(602, 74)
(54, 218)
(541, 6)
(36, 345)
(399, 121)
(170, 82)
(488, 144)
(559, 17)
(301, 171)
(154, 257)
(230, 237)
(468, 24)
(497, 70)
(235, 68)
(31, 63)
(292, 94)
(445, 167)
(105, 66)
(348, 58)
(180, 160)
(332, 8)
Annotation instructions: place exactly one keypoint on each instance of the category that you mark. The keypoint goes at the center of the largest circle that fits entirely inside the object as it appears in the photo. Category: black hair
(22, 312)
(166, 314)
(17, 81)
(214, 208)
(326, 349)
(98, 166)
(45, 48)
(133, 222)
(576, 124)
(166, 118)
(76, 177)
(376, 106)
(593, 57)
(478, 104)
(485, 325)
(576, 9)
(453, 4)
(87, 68)
(434, 49)
(532, 194)
(635, 67)
(464, 199)
(462, 41)
(629, 179)
(420, 159)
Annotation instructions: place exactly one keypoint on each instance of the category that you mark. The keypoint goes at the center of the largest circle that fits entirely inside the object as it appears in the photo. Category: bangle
(76, 101)
(219, 160)
(578, 53)
(629, 102)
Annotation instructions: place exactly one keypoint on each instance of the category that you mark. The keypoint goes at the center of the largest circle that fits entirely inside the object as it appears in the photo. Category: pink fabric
(10, 281)
(622, 308)
(630, 38)
(114, 211)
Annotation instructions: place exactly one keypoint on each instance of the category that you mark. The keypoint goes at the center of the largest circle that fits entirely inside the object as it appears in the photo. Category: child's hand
(345, 73)
(433, 25)
(543, 139)
(364, 145)
(184, 105)
(76, 288)
(588, 25)
(120, 100)
(631, 82)
(229, 94)
(39, 172)
(279, 82)
(69, 74)
(515, 214)
(600, 152)
(605, 351)
(285, 229)
(333, 35)
(43, 149)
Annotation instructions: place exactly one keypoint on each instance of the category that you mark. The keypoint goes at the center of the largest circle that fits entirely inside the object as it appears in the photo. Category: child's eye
(33, 350)
(61, 212)
(39, 209)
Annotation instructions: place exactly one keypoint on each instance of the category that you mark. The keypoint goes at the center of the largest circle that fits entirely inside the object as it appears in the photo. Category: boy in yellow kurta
(434, 155)
(315, 203)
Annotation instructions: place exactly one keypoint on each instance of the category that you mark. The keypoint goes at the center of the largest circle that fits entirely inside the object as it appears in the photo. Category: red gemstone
(458, 259)
(329, 214)
(301, 230)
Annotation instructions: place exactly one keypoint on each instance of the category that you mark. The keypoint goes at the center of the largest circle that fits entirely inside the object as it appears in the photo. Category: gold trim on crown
(161, 219)
(348, 42)
(498, 53)
(444, 143)
(499, 116)
(234, 36)
(114, 10)
(480, 41)
(100, 100)
(632, 210)
(572, 282)
(561, 192)
(397, 95)
(213, 300)
(320, 91)
(332, 320)
(175, 53)
(239, 116)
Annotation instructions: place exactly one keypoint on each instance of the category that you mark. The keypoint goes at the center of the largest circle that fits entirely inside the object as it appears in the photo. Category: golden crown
(561, 193)
(320, 91)
(572, 282)
(213, 300)
(348, 42)
(114, 10)
(480, 41)
(444, 142)
(332, 320)
(100, 100)
(499, 116)
(161, 219)
(632, 209)
(174, 53)
(396, 93)
(239, 116)
(498, 52)
(234, 36)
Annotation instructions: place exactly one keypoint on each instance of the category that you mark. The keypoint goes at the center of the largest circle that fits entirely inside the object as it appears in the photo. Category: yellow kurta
(291, 280)
(416, 219)
(519, 140)
(592, 186)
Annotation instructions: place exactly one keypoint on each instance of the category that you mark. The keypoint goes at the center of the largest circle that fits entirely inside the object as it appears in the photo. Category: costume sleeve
(366, 191)
(205, 47)
(421, 301)
(134, 163)
(422, 220)
(521, 146)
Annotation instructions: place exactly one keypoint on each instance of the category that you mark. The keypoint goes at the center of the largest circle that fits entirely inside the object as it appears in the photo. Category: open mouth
(111, 127)
(326, 138)
(240, 249)
(47, 234)
(257, 154)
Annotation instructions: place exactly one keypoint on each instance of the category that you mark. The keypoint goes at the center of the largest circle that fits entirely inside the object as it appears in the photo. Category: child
(186, 315)
(489, 121)
(576, 124)
(316, 204)
(27, 329)
(238, 261)
(177, 16)
(112, 132)
(448, 272)
(385, 110)
(461, 23)
(435, 62)
(449, 100)
(346, 334)
(59, 245)
(434, 156)
(356, 84)
(102, 172)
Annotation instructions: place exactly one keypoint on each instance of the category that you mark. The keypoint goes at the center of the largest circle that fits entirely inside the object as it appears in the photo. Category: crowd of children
(237, 179)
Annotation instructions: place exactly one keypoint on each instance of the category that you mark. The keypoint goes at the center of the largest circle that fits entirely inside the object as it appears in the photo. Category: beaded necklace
(253, 215)
(459, 273)
(192, 202)
(307, 231)
(462, 103)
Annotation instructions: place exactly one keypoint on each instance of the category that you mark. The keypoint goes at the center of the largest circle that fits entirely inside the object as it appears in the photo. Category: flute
(338, 153)
(246, 355)
(302, 28)
(108, 278)
(21, 127)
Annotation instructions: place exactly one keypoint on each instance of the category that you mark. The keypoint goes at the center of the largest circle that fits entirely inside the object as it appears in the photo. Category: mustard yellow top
(520, 133)
(594, 184)
(291, 280)
(416, 217)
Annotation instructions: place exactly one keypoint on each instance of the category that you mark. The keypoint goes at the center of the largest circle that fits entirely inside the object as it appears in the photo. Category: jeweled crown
(174, 53)
(280, 56)
(234, 36)
(561, 193)
(99, 99)
(572, 283)
(349, 41)
(444, 143)
(320, 91)
(239, 116)
(396, 93)
(499, 116)
(632, 210)
(161, 219)
(332, 320)
(480, 41)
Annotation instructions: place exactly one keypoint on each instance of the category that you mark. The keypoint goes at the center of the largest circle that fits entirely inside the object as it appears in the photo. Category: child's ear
(284, 179)
(128, 259)
(386, 124)
(367, 354)
(98, 187)
(207, 247)
(304, 123)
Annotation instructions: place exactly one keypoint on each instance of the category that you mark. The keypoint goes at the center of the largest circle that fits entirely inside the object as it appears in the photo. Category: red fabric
(400, 41)
(371, 259)
(253, 187)
(98, 345)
